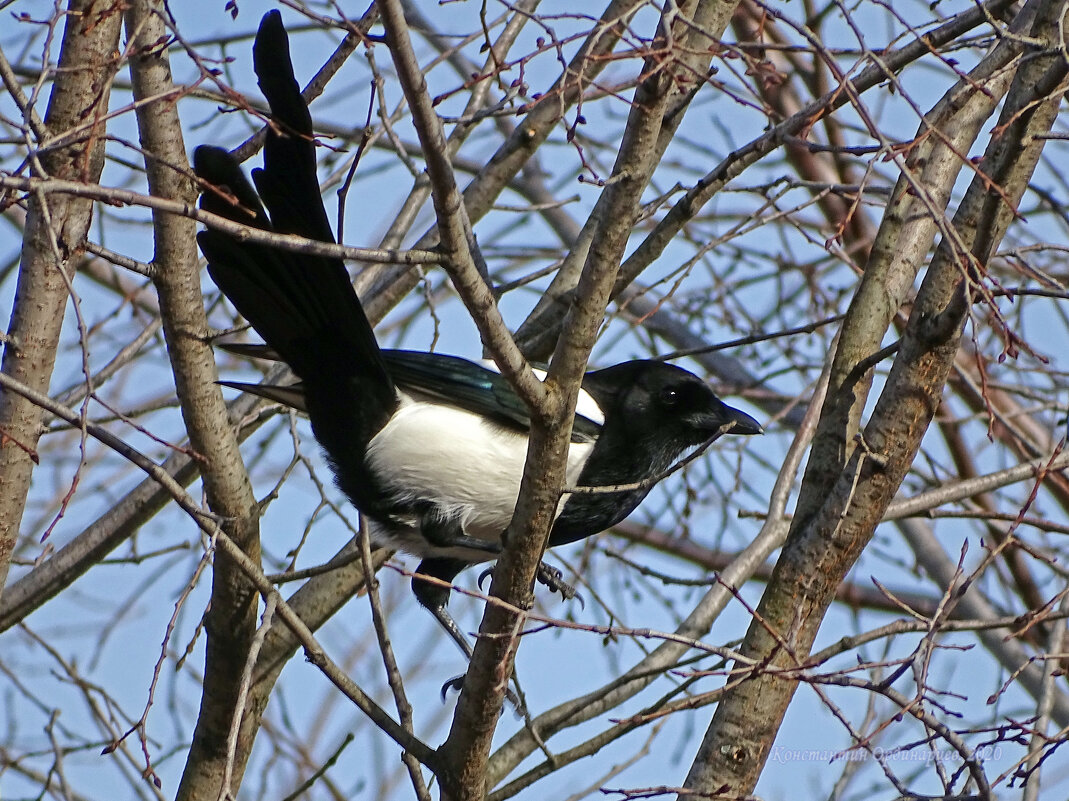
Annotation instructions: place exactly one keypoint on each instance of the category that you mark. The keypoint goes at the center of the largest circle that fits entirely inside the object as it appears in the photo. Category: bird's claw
(553, 578)
(456, 683)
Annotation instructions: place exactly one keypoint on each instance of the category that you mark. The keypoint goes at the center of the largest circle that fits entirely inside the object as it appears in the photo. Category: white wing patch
(585, 404)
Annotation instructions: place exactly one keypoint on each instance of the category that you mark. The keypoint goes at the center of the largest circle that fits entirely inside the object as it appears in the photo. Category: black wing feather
(452, 380)
(459, 382)
(289, 179)
(303, 305)
(472, 387)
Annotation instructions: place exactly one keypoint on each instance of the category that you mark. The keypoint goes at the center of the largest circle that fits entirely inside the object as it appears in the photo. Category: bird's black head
(663, 408)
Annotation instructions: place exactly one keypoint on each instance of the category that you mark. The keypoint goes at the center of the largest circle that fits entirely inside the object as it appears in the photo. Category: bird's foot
(453, 685)
(457, 682)
(553, 578)
(550, 576)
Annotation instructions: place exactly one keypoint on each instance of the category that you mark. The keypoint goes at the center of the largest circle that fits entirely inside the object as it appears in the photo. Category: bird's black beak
(729, 420)
(741, 423)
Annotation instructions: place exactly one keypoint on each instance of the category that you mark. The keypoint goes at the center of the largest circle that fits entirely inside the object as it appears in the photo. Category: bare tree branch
(835, 521)
(52, 243)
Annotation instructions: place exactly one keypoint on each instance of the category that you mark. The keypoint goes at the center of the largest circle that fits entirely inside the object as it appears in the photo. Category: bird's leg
(434, 597)
(447, 532)
(445, 620)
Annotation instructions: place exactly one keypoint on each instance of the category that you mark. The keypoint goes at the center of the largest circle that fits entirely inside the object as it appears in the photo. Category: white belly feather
(470, 467)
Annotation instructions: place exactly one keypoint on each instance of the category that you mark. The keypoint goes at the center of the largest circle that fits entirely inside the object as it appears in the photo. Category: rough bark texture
(52, 246)
(745, 185)
(231, 621)
(843, 514)
(466, 750)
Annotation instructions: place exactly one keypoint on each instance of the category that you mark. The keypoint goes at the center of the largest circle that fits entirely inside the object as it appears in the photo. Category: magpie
(429, 448)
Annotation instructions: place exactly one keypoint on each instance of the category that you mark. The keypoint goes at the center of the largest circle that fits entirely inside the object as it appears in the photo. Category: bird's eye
(670, 397)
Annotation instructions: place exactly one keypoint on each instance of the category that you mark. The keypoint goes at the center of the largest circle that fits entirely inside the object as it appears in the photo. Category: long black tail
(302, 305)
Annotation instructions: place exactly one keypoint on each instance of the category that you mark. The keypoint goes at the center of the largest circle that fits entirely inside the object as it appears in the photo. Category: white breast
(469, 467)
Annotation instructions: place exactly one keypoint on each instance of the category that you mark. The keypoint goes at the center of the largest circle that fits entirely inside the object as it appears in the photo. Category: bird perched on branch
(430, 448)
